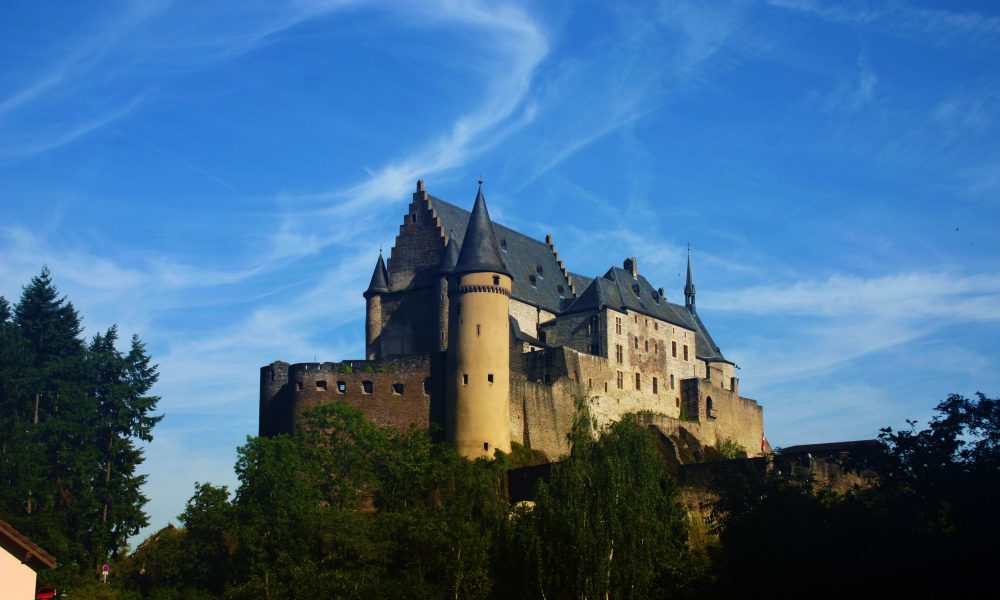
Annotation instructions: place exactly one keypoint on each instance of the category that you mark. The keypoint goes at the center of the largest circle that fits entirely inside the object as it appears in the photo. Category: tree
(607, 525)
(70, 415)
(120, 385)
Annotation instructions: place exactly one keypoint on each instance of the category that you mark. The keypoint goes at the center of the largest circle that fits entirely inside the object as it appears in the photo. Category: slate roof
(616, 289)
(480, 251)
(521, 255)
(380, 278)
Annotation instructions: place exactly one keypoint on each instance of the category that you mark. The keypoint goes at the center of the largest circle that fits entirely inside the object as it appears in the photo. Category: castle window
(486, 446)
(677, 401)
(636, 319)
(559, 289)
(489, 377)
(656, 386)
(638, 381)
(496, 280)
(590, 383)
(413, 218)
(621, 380)
(298, 385)
(619, 353)
(685, 352)
(673, 349)
(709, 408)
(656, 326)
(397, 389)
(321, 386)
(538, 269)
(605, 387)
(465, 379)
(575, 376)
(671, 381)
(636, 340)
(427, 386)
(533, 281)
(656, 347)
(367, 387)
(618, 325)
(271, 372)
(477, 329)
(647, 345)
(341, 387)
(503, 244)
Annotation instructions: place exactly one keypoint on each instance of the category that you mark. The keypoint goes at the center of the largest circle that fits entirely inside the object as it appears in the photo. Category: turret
(478, 415)
(373, 314)
(449, 258)
(689, 287)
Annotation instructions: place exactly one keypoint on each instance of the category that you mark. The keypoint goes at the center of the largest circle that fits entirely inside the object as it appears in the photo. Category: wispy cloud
(827, 324)
(901, 18)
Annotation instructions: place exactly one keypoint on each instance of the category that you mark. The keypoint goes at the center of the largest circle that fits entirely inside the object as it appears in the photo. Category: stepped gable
(521, 255)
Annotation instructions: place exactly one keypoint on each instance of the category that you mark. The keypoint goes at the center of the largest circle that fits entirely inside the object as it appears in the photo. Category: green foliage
(346, 369)
(70, 417)
(607, 525)
(729, 449)
(522, 456)
(927, 524)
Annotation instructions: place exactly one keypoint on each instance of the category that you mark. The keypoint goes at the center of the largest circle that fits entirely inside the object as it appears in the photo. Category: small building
(20, 561)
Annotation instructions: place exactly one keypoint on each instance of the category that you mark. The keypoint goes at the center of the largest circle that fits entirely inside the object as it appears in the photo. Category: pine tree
(120, 387)
(70, 418)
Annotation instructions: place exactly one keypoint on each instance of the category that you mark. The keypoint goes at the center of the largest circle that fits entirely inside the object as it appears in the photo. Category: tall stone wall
(399, 392)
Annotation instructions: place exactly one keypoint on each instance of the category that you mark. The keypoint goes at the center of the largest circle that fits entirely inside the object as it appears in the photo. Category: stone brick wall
(389, 392)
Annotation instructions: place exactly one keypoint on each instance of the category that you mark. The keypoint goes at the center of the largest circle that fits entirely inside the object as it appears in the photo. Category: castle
(479, 332)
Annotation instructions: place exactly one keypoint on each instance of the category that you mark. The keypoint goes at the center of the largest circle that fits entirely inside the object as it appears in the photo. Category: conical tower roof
(689, 287)
(449, 258)
(479, 248)
(380, 278)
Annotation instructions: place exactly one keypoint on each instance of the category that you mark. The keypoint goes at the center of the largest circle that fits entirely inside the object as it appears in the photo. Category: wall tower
(449, 258)
(373, 314)
(478, 414)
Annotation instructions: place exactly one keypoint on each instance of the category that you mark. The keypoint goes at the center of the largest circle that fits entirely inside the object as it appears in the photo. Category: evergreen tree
(70, 416)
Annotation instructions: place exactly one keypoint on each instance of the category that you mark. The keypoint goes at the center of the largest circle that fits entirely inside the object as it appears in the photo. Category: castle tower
(373, 315)
(449, 258)
(477, 418)
(689, 287)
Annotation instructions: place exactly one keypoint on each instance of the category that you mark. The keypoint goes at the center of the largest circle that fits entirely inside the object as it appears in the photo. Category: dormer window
(503, 244)
(533, 280)
(559, 289)
(635, 289)
(538, 269)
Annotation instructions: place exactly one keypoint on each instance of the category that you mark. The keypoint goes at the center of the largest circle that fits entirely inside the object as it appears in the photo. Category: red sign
(105, 568)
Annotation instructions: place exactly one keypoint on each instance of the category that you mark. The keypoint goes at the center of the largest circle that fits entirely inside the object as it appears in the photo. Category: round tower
(373, 314)
(478, 416)
(449, 258)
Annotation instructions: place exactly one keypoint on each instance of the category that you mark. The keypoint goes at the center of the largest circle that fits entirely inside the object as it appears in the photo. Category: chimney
(632, 266)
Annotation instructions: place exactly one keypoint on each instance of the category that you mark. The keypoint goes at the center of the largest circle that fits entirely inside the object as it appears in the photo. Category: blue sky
(218, 179)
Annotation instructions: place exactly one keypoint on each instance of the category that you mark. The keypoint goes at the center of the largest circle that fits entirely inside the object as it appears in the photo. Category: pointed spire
(449, 258)
(380, 278)
(479, 248)
(689, 286)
